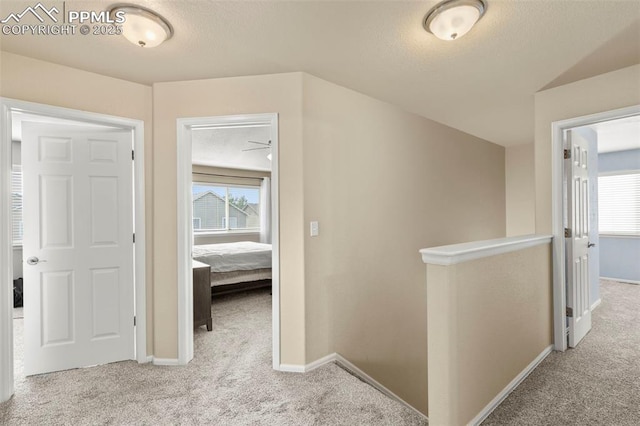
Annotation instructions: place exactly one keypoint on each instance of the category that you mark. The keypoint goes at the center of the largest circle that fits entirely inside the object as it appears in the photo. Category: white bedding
(227, 257)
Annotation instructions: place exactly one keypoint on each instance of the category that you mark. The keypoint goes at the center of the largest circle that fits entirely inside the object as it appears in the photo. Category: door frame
(185, 225)
(558, 208)
(7, 106)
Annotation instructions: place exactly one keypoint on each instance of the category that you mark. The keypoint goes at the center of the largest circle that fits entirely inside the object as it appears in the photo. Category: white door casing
(78, 222)
(578, 286)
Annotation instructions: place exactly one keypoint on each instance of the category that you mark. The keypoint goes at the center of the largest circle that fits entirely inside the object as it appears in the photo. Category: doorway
(563, 290)
(15, 112)
(269, 228)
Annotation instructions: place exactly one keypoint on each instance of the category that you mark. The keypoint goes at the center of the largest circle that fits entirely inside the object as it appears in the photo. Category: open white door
(78, 247)
(577, 238)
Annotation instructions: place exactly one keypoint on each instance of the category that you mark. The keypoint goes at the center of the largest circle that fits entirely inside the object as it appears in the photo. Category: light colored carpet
(229, 382)
(597, 383)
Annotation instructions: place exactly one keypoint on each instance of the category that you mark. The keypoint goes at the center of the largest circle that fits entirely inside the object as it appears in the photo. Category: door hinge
(567, 233)
(134, 321)
(134, 238)
(569, 312)
(567, 154)
(133, 154)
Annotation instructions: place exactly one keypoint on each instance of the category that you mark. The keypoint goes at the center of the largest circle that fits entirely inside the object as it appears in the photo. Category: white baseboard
(482, 415)
(347, 365)
(295, 368)
(291, 368)
(596, 304)
(373, 382)
(620, 280)
(165, 361)
(320, 362)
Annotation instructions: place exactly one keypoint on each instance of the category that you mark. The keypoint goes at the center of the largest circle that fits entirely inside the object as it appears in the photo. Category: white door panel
(78, 224)
(578, 286)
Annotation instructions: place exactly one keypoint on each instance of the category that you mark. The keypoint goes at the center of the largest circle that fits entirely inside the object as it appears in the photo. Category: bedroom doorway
(63, 149)
(563, 292)
(228, 216)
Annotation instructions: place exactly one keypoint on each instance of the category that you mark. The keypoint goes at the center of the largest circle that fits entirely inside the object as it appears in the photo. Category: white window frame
(225, 224)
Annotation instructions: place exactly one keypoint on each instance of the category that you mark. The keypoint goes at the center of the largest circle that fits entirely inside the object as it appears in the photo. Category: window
(619, 204)
(16, 204)
(220, 208)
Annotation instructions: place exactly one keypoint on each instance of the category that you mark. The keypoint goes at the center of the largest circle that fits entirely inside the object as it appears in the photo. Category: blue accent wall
(619, 256)
(620, 160)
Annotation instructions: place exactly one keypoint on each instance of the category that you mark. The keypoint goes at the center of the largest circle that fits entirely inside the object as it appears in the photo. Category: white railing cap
(464, 252)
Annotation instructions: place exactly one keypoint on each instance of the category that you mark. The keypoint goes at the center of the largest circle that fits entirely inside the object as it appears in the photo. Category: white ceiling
(618, 135)
(483, 83)
(227, 147)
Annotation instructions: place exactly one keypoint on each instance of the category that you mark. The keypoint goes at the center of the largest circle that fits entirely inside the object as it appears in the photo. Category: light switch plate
(314, 229)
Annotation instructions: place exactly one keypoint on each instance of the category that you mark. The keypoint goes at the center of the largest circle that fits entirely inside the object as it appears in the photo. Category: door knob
(34, 260)
(591, 245)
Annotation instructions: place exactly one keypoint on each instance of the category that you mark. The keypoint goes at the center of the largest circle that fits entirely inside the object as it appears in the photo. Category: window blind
(16, 204)
(619, 204)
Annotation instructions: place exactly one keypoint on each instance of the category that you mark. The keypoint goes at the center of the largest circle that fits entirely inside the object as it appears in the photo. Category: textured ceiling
(618, 135)
(483, 83)
(231, 147)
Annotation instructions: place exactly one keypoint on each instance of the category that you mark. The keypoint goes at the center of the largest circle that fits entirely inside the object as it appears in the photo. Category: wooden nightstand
(201, 295)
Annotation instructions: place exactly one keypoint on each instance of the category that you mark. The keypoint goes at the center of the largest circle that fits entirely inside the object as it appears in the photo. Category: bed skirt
(223, 278)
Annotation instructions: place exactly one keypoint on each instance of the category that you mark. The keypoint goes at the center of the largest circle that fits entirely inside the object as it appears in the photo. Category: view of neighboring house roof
(203, 194)
(252, 209)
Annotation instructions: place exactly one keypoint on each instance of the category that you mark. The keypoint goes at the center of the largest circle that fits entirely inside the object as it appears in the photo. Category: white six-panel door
(77, 247)
(578, 242)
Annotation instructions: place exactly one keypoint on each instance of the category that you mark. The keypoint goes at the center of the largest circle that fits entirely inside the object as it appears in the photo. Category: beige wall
(617, 89)
(520, 190)
(280, 93)
(383, 184)
(46, 83)
(488, 320)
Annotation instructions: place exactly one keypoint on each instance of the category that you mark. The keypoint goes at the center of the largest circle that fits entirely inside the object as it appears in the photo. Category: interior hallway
(597, 383)
(229, 382)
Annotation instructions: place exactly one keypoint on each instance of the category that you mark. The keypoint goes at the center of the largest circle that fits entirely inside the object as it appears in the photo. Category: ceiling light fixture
(142, 27)
(451, 19)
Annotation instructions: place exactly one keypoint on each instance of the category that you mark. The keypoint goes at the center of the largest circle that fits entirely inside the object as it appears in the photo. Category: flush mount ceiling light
(451, 19)
(142, 27)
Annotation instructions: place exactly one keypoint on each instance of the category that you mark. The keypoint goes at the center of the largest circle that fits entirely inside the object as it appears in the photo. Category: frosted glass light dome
(143, 27)
(451, 19)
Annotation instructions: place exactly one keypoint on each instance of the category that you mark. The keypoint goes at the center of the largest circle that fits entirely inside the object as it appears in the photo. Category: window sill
(603, 235)
(224, 233)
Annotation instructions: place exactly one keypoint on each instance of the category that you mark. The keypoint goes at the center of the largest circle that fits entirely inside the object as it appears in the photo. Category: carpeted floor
(597, 383)
(229, 382)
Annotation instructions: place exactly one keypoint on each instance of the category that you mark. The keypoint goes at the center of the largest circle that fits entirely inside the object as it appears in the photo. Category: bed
(236, 266)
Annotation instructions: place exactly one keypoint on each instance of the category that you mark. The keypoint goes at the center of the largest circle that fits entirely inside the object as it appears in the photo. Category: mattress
(227, 257)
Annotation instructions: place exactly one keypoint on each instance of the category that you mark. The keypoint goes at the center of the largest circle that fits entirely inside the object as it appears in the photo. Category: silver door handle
(591, 245)
(34, 260)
